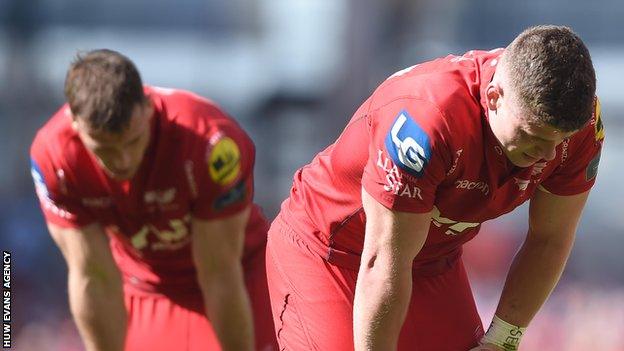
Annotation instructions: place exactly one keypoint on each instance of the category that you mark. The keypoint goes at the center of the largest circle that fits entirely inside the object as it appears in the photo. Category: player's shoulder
(593, 133)
(449, 84)
(56, 140)
(198, 115)
(58, 125)
(596, 125)
(197, 128)
(441, 97)
(57, 156)
(186, 107)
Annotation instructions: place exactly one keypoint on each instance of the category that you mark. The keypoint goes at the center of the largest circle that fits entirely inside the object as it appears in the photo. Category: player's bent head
(102, 88)
(551, 73)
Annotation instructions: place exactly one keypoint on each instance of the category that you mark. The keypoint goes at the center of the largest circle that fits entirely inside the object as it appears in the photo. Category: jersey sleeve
(580, 159)
(57, 203)
(408, 156)
(226, 173)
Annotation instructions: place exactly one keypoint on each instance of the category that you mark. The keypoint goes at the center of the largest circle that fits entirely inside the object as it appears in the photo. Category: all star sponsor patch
(224, 161)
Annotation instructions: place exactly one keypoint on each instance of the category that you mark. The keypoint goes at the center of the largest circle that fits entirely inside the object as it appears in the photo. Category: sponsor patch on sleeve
(598, 126)
(408, 145)
(592, 168)
(233, 196)
(43, 194)
(40, 185)
(224, 161)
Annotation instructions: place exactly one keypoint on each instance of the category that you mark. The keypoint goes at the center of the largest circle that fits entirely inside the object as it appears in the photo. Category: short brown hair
(553, 76)
(103, 87)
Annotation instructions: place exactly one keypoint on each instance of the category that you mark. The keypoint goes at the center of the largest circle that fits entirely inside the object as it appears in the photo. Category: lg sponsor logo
(408, 145)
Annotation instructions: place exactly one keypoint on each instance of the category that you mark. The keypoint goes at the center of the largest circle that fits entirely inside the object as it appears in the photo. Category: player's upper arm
(408, 155)
(391, 235)
(580, 158)
(218, 243)
(86, 250)
(553, 216)
(225, 179)
(58, 202)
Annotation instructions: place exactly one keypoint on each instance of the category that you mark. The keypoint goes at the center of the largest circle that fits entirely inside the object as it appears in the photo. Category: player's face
(120, 154)
(523, 140)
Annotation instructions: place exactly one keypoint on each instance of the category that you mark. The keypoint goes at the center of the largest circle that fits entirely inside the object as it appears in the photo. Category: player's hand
(487, 347)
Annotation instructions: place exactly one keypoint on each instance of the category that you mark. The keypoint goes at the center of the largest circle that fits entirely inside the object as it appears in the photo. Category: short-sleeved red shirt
(199, 163)
(422, 142)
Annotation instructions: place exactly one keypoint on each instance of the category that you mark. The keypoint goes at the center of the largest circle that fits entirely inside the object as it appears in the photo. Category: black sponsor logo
(233, 196)
(592, 168)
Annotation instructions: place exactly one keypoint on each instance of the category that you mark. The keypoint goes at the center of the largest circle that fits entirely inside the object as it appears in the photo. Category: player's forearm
(98, 309)
(382, 296)
(535, 271)
(228, 308)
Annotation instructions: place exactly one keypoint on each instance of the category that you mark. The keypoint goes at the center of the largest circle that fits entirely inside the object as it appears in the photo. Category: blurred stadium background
(292, 72)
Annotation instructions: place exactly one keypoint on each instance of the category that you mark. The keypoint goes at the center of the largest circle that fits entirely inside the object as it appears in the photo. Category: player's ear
(70, 114)
(148, 107)
(493, 92)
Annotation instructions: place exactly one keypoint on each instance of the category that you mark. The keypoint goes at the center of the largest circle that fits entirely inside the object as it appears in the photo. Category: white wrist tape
(503, 334)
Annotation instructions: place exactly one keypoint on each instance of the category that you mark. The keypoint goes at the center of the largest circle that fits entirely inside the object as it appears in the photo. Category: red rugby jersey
(199, 163)
(422, 141)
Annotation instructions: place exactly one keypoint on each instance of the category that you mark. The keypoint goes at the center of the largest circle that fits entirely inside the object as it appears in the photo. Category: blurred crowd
(292, 72)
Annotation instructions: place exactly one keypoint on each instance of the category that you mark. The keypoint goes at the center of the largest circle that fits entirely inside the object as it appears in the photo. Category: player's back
(325, 199)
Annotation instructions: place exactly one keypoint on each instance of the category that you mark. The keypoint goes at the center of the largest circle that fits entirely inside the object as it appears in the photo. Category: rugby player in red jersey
(148, 194)
(366, 252)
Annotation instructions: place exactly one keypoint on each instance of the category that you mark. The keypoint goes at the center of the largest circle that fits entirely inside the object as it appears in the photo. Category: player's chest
(477, 194)
(154, 217)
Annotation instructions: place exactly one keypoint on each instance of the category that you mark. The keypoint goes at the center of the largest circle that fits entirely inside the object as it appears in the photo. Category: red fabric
(312, 301)
(156, 323)
(160, 323)
(148, 217)
(461, 172)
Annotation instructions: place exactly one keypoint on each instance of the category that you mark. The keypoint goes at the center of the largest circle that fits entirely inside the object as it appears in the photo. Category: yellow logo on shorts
(598, 126)
(224, 161)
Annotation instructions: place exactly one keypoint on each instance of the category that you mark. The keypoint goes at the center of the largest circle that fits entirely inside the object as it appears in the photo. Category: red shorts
(157, 322)
(312, 302)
